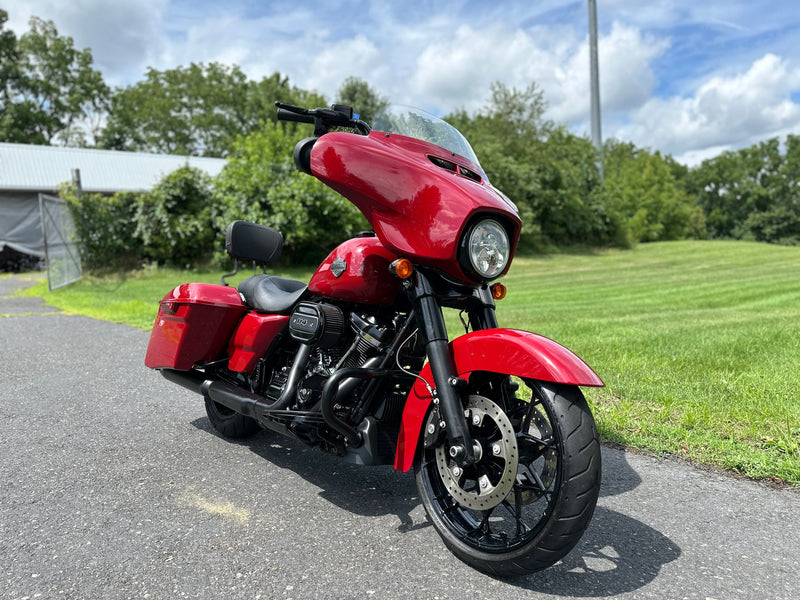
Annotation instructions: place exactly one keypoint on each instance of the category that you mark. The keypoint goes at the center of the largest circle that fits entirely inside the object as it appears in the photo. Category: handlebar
(287, 115)
(323, 119)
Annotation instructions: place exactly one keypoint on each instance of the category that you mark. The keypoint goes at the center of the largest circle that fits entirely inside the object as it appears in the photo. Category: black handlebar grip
(287, 115)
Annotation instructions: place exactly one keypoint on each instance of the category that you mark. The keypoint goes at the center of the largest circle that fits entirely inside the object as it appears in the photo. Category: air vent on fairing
(455, 168)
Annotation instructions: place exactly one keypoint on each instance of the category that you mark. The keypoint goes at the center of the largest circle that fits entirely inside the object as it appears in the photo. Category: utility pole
(597, 136)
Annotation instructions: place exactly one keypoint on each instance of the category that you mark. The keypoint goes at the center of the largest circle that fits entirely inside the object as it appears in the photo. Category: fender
(508, 351)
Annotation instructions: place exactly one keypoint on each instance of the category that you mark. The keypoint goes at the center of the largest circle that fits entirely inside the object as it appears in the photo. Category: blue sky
(687, 77)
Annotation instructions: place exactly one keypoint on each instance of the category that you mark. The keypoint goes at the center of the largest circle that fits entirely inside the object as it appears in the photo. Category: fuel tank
(357, 271)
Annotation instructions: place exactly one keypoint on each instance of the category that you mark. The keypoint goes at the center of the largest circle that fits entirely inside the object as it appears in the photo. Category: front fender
(508, 351)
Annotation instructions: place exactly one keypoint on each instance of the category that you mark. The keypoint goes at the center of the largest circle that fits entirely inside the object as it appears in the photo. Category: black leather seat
(271, 294)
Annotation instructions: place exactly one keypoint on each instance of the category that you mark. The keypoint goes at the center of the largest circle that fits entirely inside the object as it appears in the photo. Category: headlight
(488, 248)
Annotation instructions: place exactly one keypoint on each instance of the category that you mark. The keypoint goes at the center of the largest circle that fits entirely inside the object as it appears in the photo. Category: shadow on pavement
(617, 554)
(365, 491)
(618, 476)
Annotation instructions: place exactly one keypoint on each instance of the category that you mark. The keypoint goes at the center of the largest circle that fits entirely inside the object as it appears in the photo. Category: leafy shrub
(641, 189)
(106, 227)
(173, 220)
(171, 224)
(752, 193)
(261, 184)
(780, 225)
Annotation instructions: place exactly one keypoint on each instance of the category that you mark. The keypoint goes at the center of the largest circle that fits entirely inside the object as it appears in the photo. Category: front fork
(448, 386)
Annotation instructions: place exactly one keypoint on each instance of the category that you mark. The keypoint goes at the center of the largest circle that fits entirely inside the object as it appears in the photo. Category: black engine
(330, 338)
(317, 324)
(337, 340)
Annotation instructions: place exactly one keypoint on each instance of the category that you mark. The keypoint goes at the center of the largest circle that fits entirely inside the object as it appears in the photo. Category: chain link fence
(60, 242)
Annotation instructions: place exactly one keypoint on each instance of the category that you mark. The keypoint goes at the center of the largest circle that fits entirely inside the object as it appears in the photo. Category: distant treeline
(50, 94)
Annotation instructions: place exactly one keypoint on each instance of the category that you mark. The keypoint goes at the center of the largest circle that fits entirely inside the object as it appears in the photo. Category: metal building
(27, 171)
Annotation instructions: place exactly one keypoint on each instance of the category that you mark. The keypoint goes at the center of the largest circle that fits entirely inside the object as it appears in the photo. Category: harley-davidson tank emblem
(338, 267)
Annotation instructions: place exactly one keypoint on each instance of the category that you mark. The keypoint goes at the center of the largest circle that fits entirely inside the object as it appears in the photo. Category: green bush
(174, 219)
(751, 193)
(106, 227)
(260, 184)
(171, 224)
(779, 225)
(643, 193)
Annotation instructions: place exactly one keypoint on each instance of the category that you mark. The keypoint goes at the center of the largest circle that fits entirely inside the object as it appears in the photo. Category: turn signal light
(498, 291)
(403, 268)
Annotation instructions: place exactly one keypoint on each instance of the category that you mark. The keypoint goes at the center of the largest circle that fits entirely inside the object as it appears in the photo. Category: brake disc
(485, 484)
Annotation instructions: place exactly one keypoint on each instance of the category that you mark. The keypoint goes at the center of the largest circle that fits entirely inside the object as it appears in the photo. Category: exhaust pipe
(217, 390)
(191, 380)
(236, 398)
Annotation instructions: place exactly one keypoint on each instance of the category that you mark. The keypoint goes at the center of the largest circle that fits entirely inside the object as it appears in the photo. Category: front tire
(556, 482)
(230, 423)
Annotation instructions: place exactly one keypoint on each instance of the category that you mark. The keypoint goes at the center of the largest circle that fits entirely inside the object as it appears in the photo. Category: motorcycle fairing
(507, 351)
(417, 208)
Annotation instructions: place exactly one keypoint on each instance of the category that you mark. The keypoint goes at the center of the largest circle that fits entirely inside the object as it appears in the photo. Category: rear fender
(508, 351)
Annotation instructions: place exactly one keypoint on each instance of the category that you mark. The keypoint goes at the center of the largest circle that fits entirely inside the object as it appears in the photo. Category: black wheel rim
(516, 520)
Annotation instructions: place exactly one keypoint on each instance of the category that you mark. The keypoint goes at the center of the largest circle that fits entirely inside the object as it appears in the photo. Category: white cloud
(724, 112)
(456, 71)
(338, 61)
(722, 61)
(124, 36)
(626, 78)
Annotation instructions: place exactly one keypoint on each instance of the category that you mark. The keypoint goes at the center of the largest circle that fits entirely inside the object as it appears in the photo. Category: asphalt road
(114, 486)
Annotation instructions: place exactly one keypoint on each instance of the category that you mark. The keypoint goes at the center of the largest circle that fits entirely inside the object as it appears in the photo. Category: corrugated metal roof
(44, 168)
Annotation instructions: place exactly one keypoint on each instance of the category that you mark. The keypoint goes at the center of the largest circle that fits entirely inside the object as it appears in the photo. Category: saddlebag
(194, 324)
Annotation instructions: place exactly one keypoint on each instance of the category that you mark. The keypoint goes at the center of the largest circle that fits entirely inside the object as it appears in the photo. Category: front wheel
(525, 504)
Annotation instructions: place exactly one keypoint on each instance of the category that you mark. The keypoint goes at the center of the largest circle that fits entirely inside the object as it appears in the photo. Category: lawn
(698, 342)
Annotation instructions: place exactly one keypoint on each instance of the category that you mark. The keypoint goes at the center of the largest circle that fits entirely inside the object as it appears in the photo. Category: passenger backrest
(250, 241)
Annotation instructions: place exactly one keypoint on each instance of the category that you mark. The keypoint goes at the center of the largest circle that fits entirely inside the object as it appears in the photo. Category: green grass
(133, 299)
(698, 342)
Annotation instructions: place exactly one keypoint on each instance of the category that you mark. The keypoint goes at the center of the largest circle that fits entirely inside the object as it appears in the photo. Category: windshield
(416, 123)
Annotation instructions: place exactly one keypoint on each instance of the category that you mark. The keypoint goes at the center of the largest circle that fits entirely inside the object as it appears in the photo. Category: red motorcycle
(359, 362)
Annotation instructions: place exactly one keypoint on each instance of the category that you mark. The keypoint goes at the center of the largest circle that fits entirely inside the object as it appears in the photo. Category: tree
(9, 76)
(9, 57)
(737, 190)
(50, 90)
(549, 173)
(519, 114)
(260, 184)
(174, 219)
(196, 110)
(276, 88)
(365, 101)
(779, 221)
(643, 194)
(570, 211)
